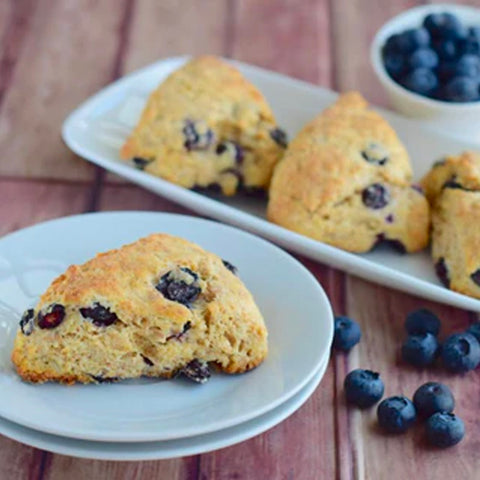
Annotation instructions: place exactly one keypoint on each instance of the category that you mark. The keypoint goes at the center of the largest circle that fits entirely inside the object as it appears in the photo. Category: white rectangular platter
(97, 129)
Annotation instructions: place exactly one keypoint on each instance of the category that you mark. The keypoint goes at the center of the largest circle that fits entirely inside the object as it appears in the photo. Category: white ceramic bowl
(461, 120)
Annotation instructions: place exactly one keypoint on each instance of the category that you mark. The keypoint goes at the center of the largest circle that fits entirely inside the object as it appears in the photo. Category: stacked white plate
(154, 419)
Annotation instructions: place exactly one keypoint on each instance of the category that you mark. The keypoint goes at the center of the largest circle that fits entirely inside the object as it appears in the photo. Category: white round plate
(295, 308)
(169, 448)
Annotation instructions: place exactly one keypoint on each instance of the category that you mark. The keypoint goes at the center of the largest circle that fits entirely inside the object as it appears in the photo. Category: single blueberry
(141, 163)
(411, 39)
(422, 321)
(52, 318)
(469, 45)
(196, 370)
(391, 242)
(468, 65)
(444, 25)
(444, 429)
(446, 49)
(475, 276)
(461, 352)
(420, 350)
(363, 388)
(474, 329)
(393, 44)
(461, 89)
(212, 188)
(230, 267)
(347, 333)
(376, 154)
(231, 148)
(423, 58)
(197, 135)
(441, 270)
(26, 322)
(396, 414)
(179, 286)
(279, 136)
(99, 315)
(394, 64)
(421, 80)
(433, 397)
(375, 196)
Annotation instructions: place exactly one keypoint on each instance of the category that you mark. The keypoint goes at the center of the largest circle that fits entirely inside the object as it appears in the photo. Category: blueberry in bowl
(427, 59)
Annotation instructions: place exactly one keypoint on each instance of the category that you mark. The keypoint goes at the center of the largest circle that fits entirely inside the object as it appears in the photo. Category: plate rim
(349, 262)
(131, 437)
(270, 419)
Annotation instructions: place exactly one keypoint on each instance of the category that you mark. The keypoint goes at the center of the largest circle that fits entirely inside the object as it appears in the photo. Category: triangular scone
(155, 307)
(206, 126)
(346, 180)
(453, 189)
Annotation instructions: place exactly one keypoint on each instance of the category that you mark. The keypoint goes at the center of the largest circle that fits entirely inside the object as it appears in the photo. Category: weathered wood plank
(381, 313)
(61, 467)
(354, 24)
(25, 203)
(168, 28)
(65, 55)
(129, 197)
(289, 37)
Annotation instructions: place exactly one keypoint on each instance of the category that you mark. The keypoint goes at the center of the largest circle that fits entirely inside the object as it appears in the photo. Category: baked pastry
(453, 188)
(156, 307)
(207, 127)
(346, 180)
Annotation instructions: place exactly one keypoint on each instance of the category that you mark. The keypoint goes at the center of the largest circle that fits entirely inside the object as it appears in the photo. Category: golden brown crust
(224, 324)
(213, 96)
(453, 188)
(317, 187)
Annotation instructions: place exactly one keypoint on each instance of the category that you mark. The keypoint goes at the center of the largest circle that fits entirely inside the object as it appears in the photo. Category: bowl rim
(381, 73)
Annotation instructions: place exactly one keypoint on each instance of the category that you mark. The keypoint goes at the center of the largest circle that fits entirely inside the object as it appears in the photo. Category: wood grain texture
(354, 23)
(168, 28)
(61, 467)
(63, 53)
(286, 36)
(26, 203)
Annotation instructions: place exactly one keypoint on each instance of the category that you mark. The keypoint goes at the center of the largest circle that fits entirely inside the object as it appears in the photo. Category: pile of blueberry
(460, 352)
(433, 402)
(440, 60)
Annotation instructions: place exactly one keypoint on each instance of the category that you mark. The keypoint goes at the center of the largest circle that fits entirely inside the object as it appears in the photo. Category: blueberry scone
(453, 188)
(157, 307)
(207, 127)
(346, 180)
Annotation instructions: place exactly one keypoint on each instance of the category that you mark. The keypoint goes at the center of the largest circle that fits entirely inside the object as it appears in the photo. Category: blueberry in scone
(346, 180)
(159, 307)
(453, 188)
(207, 127)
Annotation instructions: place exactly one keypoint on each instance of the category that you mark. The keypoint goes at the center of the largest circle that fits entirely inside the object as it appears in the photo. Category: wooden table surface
(55, 53)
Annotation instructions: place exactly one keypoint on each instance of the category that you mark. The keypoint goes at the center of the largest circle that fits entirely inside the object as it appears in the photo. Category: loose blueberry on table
(347, 333)
(433, 397)
(363, 388)
(420, 349)
(396, 414)
(444, 429)
(461, 352)
(440, 59)
(422, 321)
